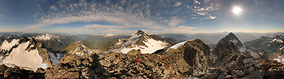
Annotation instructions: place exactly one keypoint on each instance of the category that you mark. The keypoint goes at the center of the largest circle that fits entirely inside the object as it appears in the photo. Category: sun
(237, 10)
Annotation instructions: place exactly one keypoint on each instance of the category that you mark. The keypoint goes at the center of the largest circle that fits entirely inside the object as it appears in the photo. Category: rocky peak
(140, 32)
(146, 43)
(231, 37)
(278, 37)
(196, 55)
(23, 39)
(234, 39)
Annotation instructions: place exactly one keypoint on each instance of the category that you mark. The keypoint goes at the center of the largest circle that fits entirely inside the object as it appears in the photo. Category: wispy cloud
(125, 13)
(203, 11)
(94, 12)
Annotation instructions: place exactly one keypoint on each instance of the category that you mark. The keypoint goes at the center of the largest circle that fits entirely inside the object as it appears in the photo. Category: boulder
(248, 60)
(239, 73)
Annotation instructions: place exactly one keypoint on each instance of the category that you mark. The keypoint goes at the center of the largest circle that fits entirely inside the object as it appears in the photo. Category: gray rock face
(248, 60)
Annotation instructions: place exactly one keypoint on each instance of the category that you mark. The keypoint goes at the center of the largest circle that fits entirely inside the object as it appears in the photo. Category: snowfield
(152, 46)
(29, 60)
(279, 59)
(55, 57)
(131, 40)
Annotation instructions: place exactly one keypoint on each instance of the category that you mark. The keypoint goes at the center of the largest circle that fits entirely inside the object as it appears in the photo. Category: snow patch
(279, 59)
(7, 46)
(43, 65)
(242, 49)
(151, 46)
(234, 41)
(109, 35)
(55, 57)
(277, 40)
(80, 53)
(176, 45)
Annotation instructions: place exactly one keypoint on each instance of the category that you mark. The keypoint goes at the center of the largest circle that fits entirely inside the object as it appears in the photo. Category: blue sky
(128, 16)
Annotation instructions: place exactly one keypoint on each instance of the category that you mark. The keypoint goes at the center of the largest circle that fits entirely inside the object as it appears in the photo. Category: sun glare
(237, 10)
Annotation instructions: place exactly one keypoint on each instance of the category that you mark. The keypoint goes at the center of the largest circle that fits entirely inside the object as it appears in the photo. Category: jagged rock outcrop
(196, 54)
(223, 53)
(17, 73)
(109, 66)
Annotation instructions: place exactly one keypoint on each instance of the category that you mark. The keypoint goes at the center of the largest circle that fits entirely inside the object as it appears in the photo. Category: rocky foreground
(191, 60)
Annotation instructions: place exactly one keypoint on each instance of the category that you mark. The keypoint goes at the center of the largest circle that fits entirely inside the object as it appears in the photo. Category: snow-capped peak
(46, 36)
(109, 35)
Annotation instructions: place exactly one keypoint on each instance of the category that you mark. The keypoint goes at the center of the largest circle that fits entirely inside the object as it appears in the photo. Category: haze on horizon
(152, 16)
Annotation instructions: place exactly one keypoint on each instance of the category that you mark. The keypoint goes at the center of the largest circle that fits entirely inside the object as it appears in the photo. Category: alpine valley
(142, 56)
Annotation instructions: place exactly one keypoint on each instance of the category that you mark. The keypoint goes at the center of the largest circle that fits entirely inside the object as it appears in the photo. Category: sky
(152, 16)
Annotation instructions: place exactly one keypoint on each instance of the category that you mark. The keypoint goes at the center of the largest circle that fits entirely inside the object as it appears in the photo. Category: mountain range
(139, 55)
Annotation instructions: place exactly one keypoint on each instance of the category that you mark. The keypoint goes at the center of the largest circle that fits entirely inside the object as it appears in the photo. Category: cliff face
(223, 52)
